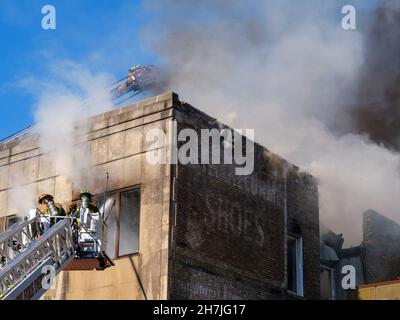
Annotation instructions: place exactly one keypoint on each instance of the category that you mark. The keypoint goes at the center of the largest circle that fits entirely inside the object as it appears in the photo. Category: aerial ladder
(139, 79)
(36, 247)
(33, 250)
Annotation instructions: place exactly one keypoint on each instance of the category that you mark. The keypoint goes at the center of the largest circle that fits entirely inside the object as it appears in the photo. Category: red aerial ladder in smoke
(139, 79)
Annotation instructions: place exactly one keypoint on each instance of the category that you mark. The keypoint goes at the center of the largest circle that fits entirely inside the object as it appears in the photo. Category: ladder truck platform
(30, 258)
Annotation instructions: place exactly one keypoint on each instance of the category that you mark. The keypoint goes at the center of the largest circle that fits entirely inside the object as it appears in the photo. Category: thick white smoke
(61, 115)
(288, 70)
(22, 198)
(65, 101)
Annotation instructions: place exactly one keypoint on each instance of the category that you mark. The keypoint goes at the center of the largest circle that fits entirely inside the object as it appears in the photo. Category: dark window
(122, 214)
(129, 222)
(6, 222)
(295, 265)
(12, 220)
(327, 284)
(292, 284)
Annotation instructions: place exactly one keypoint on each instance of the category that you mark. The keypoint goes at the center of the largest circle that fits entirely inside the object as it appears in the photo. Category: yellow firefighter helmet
(45, 196)
(85, 192)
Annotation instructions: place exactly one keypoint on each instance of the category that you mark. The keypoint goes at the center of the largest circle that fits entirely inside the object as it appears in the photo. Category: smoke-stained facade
(232, 233)
(180, 231)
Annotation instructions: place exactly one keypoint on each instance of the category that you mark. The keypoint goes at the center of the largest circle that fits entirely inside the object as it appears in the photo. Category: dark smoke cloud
(377, 113)
(288, 70)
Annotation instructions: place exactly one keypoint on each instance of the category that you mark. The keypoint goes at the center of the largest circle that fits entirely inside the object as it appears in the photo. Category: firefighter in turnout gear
(47, 210)
(132, 74)
(85, 201)
(87, 223)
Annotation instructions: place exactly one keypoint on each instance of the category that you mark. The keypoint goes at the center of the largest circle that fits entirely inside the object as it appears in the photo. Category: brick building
(181, 231)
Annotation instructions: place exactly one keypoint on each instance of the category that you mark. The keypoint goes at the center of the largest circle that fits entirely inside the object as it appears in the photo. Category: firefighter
(87, 222)
(48, 209)
(134, 69)
(47, 206)
(85, 201)
(132, 74)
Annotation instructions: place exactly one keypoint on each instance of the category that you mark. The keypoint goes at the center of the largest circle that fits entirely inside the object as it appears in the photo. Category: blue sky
(88, 32)
(94, 33)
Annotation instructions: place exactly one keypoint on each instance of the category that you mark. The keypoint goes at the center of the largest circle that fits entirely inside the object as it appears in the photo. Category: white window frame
(299, 266)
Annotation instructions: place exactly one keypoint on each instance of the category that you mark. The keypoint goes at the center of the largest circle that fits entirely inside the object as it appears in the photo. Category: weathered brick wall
(303, 220)
(229, 233)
